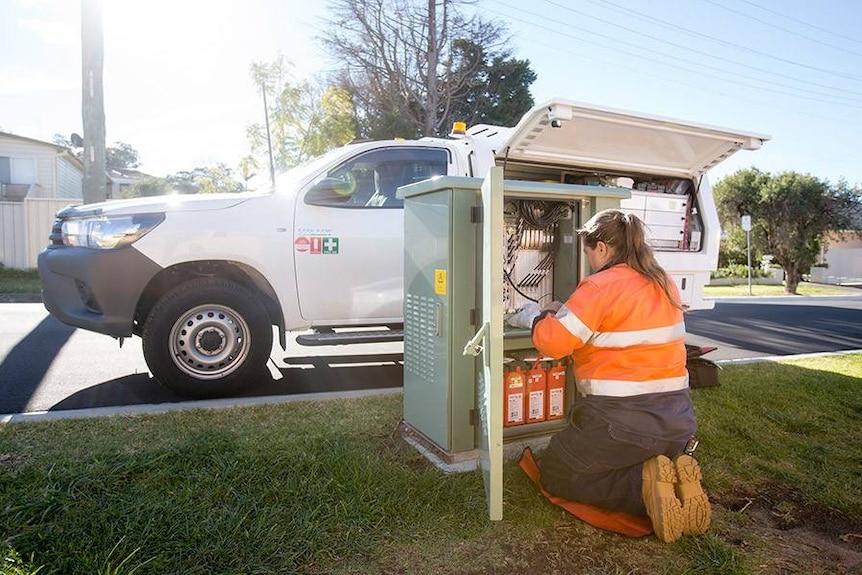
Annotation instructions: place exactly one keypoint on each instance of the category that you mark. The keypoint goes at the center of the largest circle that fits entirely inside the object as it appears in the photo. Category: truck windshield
(297, 174)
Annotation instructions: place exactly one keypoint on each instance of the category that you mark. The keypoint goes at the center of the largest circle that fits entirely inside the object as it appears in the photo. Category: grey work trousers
(595, 462)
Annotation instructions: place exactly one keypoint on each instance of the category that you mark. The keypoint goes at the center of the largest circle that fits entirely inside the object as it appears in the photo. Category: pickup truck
(202, 279)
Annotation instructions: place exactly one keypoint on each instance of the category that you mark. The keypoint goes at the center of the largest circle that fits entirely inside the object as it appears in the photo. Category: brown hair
(624, 233)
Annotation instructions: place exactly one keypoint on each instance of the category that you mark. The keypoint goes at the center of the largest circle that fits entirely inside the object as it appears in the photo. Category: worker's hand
(523, 318)
(553, 307)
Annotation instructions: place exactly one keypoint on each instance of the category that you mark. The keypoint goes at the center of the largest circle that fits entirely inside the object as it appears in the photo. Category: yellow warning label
(440, 282)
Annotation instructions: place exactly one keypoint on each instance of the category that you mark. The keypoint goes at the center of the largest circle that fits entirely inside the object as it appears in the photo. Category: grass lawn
(804, 289)
(19, 281)
(27, 281)
(330, 487)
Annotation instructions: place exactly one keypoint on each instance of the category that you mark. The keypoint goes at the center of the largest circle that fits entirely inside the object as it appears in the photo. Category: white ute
(202, 279)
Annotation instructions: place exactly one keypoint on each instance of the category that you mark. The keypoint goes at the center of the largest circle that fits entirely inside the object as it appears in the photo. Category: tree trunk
(92, 101)
(791, 279)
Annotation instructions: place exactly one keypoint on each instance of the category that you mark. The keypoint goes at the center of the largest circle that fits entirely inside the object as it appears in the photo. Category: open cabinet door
(488, 342)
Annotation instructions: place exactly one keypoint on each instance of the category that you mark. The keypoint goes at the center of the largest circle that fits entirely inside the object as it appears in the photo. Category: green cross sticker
(330, 245)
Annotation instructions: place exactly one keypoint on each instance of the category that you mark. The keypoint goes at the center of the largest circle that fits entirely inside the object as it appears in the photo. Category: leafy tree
(733, 249)
(248, 167)
(791, 213)
(411, 66)
(121, 156)
(149, 186)
(498, 95)
(305, 119)
(206, 180)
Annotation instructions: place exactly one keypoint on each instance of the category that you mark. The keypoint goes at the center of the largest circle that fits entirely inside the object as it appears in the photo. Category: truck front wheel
(208, 338)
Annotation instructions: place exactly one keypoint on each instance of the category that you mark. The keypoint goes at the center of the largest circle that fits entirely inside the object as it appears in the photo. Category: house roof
(61, 150)
(129, 174)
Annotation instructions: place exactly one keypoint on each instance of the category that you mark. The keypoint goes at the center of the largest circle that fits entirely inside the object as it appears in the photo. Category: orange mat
(616, 521)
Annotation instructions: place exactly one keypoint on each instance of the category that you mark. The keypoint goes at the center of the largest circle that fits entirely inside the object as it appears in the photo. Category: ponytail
(625, 233)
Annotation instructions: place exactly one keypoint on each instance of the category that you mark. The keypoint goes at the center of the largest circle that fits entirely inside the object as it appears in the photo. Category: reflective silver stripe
(620, 388)
(574, 324)
(640, 337)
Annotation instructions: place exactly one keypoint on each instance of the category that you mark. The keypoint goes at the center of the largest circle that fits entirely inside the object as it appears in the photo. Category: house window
(17, 170)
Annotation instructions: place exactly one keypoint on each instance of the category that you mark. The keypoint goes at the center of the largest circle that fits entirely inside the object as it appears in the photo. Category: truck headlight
(108, 232)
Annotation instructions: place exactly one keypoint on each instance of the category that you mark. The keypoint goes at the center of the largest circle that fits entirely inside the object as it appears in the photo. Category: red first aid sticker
(301, 244)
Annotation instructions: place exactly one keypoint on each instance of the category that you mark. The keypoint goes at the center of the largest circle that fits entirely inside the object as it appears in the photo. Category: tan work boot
(696, 512)
(660, 500)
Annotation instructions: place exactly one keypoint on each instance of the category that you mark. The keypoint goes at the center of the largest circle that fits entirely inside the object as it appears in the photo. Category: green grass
(27, 281)
(804, 289)
(19, 281)
(330, 487)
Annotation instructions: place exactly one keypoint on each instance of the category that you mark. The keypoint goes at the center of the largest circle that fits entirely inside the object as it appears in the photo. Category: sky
(177, 85)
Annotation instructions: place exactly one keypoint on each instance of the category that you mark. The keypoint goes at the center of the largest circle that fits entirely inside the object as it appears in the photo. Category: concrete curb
(744, 360)
(20, 298)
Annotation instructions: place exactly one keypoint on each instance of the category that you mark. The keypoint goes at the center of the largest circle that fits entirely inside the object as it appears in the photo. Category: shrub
(738, 271)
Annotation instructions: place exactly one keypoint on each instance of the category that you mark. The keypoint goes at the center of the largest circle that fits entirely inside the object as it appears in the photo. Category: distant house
(36, 180)
(120, 180)
(841, 260)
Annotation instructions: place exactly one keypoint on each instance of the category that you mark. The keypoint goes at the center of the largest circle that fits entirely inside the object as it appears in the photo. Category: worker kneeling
(624, 446)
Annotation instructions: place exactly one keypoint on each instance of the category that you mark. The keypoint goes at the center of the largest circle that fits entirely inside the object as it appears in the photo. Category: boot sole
(696, 511)
(659, 497)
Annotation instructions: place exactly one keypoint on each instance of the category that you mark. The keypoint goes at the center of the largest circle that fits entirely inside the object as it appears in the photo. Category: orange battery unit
(556, 393)
(514, 385)
(536, 388)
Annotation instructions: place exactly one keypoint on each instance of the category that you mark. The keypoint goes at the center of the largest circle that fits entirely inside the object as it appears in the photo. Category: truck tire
(208, 338)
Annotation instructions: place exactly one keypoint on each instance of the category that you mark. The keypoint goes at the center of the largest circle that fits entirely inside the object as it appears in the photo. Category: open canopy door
(573, 134)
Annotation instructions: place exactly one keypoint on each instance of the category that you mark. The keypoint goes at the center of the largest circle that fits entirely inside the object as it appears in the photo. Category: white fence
(24, 229)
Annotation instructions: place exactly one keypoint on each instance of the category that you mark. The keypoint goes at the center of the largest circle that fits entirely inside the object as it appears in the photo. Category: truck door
(348, 237)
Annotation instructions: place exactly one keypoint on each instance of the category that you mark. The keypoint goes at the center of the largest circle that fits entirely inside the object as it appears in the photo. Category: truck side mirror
(328, 191)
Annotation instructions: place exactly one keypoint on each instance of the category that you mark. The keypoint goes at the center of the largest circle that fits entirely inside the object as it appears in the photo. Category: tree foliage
(149, 186)
(733, 249)
(791, 214)
(206, 180)
(305, 118)
(498, 95)
(412, 67)
(248, 168)
(121, 156)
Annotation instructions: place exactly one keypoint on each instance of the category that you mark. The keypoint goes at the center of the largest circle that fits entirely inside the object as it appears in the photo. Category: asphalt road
(757, 327)
(46, 366)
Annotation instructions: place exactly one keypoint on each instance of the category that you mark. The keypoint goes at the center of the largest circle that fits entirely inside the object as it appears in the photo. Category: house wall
(70, 180)
(844, 262)
(43, 156)
(55, 182)
(844, 258)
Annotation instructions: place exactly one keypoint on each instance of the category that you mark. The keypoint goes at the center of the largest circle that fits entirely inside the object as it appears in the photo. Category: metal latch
(474, 346)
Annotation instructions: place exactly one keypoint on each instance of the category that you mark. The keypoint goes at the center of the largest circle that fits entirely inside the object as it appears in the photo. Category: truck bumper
(93, 289)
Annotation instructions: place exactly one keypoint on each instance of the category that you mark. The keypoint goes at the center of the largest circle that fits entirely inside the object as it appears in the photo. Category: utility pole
(268, 137)
(92, 101)
(431, 80)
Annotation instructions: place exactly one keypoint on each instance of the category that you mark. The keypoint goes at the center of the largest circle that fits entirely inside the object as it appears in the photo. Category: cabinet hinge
(476, 214)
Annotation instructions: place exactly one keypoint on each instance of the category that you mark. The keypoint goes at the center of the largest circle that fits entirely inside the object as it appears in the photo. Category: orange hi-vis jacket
(623, 334)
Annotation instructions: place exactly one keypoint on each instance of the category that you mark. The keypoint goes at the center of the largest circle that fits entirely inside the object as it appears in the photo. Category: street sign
(746, 223)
